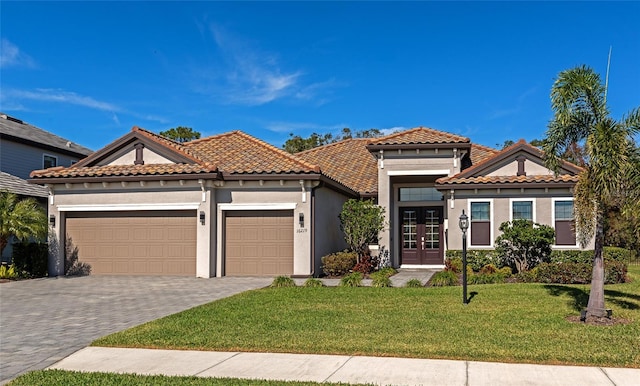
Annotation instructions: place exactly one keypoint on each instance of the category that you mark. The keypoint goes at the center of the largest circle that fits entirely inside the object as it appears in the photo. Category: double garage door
(256, 243)
(135, 243)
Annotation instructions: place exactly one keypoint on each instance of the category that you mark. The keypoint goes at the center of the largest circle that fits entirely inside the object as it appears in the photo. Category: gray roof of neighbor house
(20, 131)
(19, 186)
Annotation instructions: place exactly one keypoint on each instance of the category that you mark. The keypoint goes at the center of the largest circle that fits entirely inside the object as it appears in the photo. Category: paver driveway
(45, 320)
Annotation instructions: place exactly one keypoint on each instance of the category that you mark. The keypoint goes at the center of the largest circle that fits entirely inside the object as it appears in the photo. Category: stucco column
(205, 218)
(55, 266)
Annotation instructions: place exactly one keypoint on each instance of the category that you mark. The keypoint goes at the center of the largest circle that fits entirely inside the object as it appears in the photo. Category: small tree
(524, 244)
(23, 219)
(361, 221)
(181, 134)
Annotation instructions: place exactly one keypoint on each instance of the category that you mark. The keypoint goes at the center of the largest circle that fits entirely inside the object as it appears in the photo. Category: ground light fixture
(464, 225)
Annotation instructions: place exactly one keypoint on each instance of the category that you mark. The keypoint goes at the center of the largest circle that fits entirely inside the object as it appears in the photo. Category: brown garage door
(135, 243)
(259, 243)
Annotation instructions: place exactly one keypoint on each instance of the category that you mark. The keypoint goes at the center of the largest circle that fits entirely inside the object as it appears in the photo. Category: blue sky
(89, 71)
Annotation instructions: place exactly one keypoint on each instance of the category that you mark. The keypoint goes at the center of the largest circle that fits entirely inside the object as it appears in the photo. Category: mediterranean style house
(233, 205)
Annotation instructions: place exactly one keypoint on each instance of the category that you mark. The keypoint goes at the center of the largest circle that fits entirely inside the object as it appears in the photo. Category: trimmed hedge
(579, 273)
(477, 258)
(339, 263)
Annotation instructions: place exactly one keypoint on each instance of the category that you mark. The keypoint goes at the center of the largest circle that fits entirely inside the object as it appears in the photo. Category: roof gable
(518, 163)
(419, 137)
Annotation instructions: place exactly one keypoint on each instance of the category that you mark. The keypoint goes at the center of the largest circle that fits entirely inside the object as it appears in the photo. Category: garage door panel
(258, 243)
(139, 243)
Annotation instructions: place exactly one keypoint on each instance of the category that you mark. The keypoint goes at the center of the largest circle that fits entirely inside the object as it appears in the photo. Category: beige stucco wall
(411, 166)
(510, 168)
(134, 196)
(271, 195)
(129, 157)
(501, 210)
(326, 226)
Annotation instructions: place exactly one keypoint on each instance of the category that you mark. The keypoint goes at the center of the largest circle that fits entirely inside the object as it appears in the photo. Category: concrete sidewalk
(339, 368)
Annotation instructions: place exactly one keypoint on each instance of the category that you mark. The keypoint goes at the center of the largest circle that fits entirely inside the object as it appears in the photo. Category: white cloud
(70, 97)
(304, 127)
(247, 75)
(11, 56)
(61, 96)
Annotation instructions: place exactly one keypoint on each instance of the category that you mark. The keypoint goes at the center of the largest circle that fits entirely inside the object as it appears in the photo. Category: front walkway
(339, 368)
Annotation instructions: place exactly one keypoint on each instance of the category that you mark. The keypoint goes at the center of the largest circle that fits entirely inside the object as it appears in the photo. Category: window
(522, 210)
(49, 161)
(480, 223)
(564, 222)
(420, 194)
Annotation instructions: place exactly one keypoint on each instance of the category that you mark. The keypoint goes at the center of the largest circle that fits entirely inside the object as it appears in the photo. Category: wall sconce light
(301, 219)
(52, 220)
(202, 217)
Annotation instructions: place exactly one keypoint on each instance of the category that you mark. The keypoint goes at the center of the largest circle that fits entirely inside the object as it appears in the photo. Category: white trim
(127, 207)
(444, 172)
(49, 155)
(491, 223)
(260, 206)
(533, 207)
(553, 222)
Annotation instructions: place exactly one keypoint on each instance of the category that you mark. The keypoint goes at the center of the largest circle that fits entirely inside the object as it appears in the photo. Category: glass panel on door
(431, 229)
(409, 230)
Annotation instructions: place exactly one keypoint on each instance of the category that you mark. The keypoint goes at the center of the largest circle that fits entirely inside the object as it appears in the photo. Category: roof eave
(503, 185)
(413, 146)
(123, 178)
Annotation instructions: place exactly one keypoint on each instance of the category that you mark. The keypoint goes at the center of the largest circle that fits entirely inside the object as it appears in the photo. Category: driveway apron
(45, 320)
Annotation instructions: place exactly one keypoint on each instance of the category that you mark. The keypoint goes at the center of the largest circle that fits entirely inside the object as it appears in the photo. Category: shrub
(31, 259)
(387, 271)
(575, 256)
(477, 258)
(353, 279)
(313, 282)
(8, 272)
(488, 269)
(617, 254)
(381, 281)
(486, 278)
(580, 273)
(413, 283)
(361, 221)
(339, 263)
(366, 264)
(453, 265)
(530, 276)
(524, 244)
(443, 279)
(283, 281)
(506, 271)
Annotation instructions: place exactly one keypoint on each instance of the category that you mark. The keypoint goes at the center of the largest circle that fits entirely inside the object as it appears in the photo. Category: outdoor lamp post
(464, 225)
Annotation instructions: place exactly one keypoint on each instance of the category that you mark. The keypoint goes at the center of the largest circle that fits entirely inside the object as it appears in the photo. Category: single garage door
(259, 243)
(135, 243)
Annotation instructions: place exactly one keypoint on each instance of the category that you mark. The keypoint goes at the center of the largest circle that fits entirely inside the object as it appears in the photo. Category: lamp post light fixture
(464, 225)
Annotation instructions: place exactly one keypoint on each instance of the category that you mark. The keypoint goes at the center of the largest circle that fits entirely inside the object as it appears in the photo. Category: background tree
(296, 143)
(581, 117)
(524, 244)
(361, 221)
(23, 219)
(181, 134)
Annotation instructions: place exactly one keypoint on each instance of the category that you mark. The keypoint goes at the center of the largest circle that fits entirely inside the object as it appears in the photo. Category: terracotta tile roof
(419, 135)
(480, 153)
(174, 145)
(123, 170)
(239, 153)
(348, 162)
(507, 179)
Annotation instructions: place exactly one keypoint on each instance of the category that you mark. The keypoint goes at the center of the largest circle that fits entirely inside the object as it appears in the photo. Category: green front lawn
(72, 378)
(503, 322)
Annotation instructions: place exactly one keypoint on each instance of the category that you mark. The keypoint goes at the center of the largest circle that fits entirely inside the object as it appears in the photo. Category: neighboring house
(24, 148)
(232, 205)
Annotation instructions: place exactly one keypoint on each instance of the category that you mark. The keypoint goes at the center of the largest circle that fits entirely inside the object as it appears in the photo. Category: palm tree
(581, 116)
(21, 218)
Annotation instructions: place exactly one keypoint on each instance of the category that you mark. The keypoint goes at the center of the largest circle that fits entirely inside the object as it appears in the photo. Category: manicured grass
(73, 378)
(503, 322)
